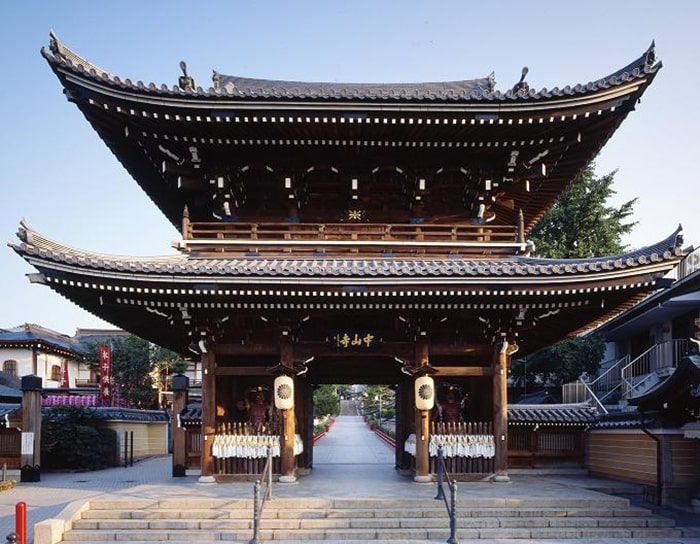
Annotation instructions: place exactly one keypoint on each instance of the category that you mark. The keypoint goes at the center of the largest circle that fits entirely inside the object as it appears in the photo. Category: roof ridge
(478, 89)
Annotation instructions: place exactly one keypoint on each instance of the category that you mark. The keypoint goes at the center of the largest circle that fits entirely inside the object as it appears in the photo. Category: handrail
(595, 397)
(258, 503)
(643, 365)
(452, 506)
(608, 385)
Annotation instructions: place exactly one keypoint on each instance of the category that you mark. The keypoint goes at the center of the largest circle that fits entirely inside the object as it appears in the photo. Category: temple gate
(356, 233)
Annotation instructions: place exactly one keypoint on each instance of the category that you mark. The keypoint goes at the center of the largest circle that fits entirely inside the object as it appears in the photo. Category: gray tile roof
(551, 414)
(31, 335)
(474, 90)
(34, 245)
(545, 414)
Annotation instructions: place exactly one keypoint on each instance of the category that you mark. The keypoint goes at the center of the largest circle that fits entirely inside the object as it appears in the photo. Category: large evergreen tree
(581, 224)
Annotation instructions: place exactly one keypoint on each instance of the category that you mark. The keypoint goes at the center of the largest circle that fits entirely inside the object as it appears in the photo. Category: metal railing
(659, 357)
(451, 507)
(604, 386)
(260, 495)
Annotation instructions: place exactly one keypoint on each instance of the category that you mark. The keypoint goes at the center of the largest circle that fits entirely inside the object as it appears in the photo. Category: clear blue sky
(59, 175)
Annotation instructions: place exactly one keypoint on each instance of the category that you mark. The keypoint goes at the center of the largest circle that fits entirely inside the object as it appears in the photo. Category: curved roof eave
(676, 385)
(476, 91)
(655, 259)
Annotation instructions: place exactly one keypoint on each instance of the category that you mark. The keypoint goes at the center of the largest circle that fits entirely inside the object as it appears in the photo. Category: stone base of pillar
(206, 480)
(423, 479)
(30, 473)
(287, 479)
(501, 479)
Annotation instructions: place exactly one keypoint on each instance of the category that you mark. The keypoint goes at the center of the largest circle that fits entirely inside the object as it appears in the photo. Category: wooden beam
(304, 350)
(456, 371)
(242, 371)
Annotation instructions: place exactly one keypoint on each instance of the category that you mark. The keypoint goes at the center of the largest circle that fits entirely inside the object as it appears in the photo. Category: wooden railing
(349, 238)
(252, 465)
(10, 447)
(462, 465)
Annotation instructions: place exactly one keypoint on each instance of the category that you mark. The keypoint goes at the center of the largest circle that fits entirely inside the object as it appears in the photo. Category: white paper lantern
(425, 393)
(284, 393)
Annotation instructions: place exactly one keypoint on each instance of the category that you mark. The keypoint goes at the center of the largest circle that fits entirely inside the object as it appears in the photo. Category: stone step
(368, 534)
(581, 540)
(389, 522)
(272, 511)
(604, 502)
(362, 520)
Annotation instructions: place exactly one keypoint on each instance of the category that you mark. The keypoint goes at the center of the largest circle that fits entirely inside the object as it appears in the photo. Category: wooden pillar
(500, 411)
(208, 416)
(288, 431)
(180, 385)
(35, 363)
(422, 425)
(30, 464)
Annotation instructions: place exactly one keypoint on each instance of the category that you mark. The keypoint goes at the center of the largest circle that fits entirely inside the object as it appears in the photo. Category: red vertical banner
(105, 372)
(65, 382)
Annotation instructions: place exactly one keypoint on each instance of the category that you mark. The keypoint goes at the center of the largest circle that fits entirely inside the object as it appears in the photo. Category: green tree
(581, 224)
(326, 401)
(376, 397)
(561, 363)
(76, 438)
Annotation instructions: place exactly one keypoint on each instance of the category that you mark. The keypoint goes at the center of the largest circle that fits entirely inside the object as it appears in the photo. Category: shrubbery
(76, 438)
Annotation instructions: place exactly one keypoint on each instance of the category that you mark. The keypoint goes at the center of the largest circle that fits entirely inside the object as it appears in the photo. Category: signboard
(105, 372)
(354, 340)
(65, 382)
(27, 443)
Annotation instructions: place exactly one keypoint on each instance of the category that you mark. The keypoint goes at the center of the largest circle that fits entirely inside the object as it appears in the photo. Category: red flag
(105, 372)
(65, 382)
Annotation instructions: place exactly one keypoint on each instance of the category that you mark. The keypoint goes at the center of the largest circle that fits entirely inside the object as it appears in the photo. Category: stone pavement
(350, 461)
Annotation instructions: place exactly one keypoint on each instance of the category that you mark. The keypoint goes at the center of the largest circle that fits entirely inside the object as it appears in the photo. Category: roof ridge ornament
(185, 82)
(522, 85)
(650, 58)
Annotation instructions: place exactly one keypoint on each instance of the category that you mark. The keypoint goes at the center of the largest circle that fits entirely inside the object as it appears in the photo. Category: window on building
(56, 373)
(10, 367)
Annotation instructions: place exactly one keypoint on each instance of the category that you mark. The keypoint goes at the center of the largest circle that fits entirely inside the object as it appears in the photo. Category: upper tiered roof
(253, 150)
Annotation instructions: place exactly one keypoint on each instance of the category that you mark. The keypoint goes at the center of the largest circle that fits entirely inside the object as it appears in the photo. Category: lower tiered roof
(456, 301)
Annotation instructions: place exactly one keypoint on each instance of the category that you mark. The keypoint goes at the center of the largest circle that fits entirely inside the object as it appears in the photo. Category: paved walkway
(350, 461)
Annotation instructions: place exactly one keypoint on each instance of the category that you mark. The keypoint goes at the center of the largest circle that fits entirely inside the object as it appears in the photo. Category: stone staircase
(203, 520)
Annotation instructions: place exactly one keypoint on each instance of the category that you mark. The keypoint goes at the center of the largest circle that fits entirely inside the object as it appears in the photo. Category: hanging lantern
(425, 393)
(284, 392)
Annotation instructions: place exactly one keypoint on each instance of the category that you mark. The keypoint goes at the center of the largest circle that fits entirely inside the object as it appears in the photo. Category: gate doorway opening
(351, 418)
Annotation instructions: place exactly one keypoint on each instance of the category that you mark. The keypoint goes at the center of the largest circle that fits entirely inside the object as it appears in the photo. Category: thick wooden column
(422, 425)
(208, 416)
(500, 411)
(288, 430)
(180, 385)
(30, 464)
